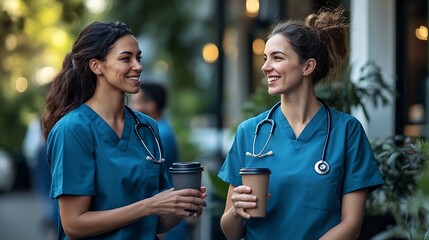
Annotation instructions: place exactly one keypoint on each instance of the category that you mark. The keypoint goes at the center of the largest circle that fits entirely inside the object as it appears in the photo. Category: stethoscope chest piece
(322, 167)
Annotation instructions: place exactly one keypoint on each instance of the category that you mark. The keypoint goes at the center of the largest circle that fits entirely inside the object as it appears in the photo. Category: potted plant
(402, 162)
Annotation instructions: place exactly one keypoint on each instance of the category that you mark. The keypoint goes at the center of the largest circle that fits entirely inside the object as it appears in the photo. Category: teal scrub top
(303, 204)
(87, 158)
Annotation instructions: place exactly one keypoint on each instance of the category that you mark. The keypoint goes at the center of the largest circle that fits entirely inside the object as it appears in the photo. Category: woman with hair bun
(322, 165)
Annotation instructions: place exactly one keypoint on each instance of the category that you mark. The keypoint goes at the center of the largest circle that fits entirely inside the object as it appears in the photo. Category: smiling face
(121, 69)
(282, 67)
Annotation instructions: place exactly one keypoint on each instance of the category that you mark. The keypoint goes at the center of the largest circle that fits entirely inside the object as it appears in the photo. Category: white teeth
(274, 78)
(134, 78)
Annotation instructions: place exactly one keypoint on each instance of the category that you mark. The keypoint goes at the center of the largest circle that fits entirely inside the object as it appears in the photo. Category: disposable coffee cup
(186, 175)
(257, 179)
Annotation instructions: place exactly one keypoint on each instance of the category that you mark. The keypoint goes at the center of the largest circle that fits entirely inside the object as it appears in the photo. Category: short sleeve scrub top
(303, 204)
(88, 158)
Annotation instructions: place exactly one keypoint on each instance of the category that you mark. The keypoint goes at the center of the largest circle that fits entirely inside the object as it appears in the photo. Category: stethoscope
(140, 125)
(321, 167)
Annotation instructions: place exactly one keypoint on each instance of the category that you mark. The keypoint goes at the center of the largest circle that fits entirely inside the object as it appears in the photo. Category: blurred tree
(34, 37)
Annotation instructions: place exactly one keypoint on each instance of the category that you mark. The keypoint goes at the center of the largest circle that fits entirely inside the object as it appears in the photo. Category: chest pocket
(152, 175)
(322, 191)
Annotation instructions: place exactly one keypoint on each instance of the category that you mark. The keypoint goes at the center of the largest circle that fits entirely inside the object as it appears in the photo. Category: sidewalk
(20, 217)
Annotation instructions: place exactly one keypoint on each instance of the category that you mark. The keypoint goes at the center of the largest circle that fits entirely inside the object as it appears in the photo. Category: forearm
(351, 218)
(93, 223)
(232, 225)
(344, 230)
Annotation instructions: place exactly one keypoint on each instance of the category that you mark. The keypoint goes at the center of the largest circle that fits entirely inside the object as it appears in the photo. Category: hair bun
(311, 20)
(331, 26)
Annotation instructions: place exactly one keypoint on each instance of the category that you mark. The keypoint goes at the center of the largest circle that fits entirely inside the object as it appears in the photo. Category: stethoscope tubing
(321, 167)
(138, 125)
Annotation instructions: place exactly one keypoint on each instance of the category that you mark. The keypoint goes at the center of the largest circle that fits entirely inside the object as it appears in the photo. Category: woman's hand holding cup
(181, 203)
(243, 200)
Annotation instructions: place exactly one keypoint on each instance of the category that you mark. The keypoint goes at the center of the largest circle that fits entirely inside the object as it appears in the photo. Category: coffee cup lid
(186, 167)
(245, 171)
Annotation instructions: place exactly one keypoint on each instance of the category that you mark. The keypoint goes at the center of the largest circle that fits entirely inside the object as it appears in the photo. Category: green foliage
(259, 101)
(345, 94)
(220, 188)
(424, 180)
(27, 45)
(19, 110)
(401, 162)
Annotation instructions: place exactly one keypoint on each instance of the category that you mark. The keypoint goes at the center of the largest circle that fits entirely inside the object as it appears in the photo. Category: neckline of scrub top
(307, 132)
(106, 132)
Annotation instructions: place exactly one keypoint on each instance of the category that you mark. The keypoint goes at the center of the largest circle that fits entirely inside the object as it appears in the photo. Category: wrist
(147, 207)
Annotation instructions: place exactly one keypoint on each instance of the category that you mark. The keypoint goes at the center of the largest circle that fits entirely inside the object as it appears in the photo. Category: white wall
(373, 38)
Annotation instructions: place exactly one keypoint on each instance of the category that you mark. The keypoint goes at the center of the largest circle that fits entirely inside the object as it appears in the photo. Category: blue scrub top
(88, 158)
(303, 204)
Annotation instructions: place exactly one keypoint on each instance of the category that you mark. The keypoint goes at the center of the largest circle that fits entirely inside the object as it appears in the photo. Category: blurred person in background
(34, 150)
(152, 100)
(313, 193)
(108, 179)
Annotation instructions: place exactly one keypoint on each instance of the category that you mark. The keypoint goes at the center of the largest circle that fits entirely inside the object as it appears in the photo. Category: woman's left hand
(203, 190)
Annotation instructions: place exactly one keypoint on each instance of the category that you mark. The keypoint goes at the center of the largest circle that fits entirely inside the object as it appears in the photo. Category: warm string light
(422, 33)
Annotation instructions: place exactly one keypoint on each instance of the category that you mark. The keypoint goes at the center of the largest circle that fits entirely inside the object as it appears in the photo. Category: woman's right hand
(243, 200)
(178, 203)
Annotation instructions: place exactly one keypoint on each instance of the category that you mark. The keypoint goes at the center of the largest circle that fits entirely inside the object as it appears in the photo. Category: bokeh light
(59, 37)
(422, 33)
(11, 42)
(21, 84)
(12, 7)
(258, 46)
(96, 6)
(45, 75)
(252, 8)
(161, 67)
(210, 52)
